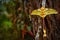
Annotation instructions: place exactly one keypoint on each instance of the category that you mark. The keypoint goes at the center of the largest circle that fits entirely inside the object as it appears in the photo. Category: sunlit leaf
(7, 24)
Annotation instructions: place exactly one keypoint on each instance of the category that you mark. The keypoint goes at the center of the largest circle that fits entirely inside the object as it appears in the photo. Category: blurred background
(16, 23)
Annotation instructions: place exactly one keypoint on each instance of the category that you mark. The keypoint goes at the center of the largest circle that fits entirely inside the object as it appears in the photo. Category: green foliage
(8, 31)
(10, 6)
(1, 7)
(7, 24)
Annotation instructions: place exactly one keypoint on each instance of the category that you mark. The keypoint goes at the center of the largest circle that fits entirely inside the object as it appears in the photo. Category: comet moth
(43, 12)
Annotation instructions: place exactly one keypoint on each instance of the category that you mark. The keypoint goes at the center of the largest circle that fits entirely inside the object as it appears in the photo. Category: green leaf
(29, 28)
(7, 24)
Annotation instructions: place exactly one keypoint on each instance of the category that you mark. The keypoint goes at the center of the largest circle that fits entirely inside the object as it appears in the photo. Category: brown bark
(51, 21)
